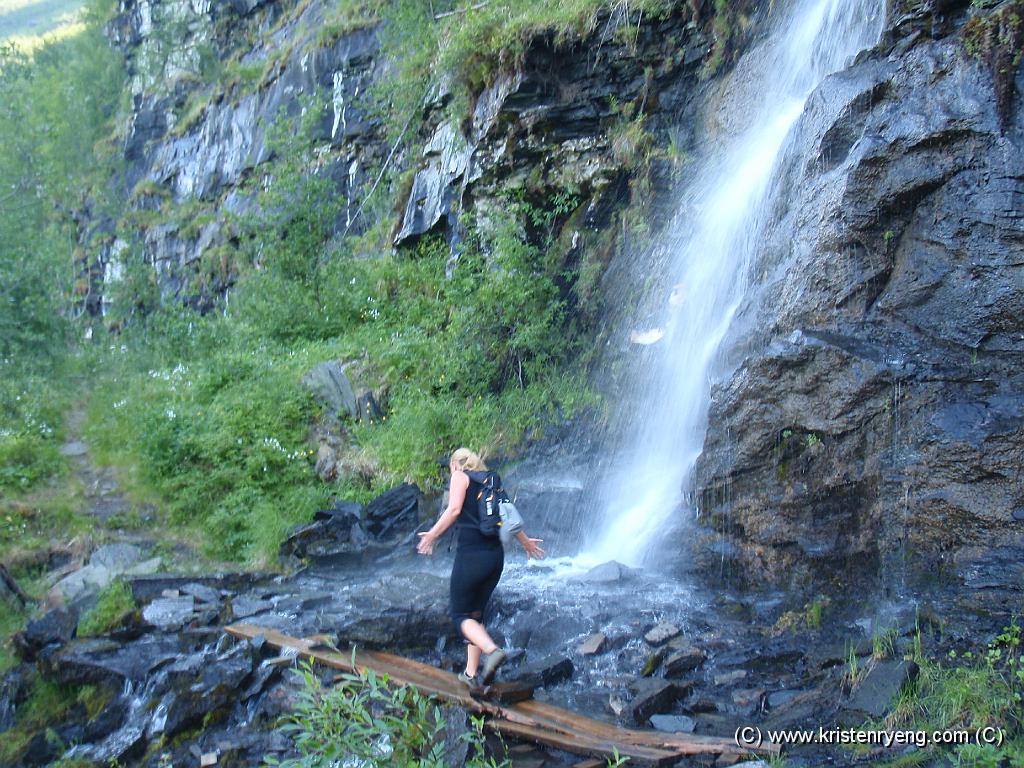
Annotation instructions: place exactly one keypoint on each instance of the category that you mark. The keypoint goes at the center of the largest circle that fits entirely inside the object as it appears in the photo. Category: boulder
(202, 684)
(606, 573)
(680, 662)
(55, 627)
(116, 558)
(875, 692)
(244, 606)
(329, 384)
(146, 587)
(169, 613)
(368, 408)
(550, 670)
(651, 696)
(202, 592)
(399, 611)
(396, 510)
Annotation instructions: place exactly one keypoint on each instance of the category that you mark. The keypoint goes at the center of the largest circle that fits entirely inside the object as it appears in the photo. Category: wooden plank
(530, 720)
(686, 743)
(583, 745)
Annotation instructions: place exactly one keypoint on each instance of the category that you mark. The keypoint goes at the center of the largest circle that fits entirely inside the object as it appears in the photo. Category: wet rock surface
(192, 686)
(873, 408)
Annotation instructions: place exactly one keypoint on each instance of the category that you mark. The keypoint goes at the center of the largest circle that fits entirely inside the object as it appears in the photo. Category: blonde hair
(466, 459)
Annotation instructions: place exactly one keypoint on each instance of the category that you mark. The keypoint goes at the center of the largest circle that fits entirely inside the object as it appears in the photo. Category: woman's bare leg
(476, 634)
(472, 659)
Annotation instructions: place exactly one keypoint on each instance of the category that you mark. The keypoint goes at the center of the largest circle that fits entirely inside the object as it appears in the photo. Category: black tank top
(468, 522)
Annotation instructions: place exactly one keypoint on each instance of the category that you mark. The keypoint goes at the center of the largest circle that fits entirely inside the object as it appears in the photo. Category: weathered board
(528, 720)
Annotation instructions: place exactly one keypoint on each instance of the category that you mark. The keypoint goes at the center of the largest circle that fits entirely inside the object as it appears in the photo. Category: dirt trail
(103, 494)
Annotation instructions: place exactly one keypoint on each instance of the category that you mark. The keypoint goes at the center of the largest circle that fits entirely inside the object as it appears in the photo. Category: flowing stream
(719, 225)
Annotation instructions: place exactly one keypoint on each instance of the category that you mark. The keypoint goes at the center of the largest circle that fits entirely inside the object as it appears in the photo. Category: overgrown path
(101, 489)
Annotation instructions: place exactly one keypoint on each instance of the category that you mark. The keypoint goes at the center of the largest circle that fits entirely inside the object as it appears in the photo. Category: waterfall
(718, 227)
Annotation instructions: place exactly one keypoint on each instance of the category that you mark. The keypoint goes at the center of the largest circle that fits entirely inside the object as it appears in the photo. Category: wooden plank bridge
(527, 720)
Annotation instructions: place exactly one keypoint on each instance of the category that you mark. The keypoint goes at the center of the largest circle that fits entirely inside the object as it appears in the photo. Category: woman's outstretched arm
(530, 545)
(456, 496)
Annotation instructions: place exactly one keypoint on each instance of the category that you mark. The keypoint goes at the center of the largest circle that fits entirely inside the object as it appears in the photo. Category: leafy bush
(365, 719)
(31, 406)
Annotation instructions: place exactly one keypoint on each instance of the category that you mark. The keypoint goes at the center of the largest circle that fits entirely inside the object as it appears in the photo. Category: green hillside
(31, 18)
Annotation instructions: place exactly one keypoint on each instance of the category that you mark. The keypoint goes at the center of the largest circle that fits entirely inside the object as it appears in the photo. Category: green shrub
(223, 440)
(366, 719)
(31, 406)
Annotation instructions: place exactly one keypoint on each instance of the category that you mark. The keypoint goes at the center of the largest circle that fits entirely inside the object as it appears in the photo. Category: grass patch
(47, 703)
(968, 692)
(114, 605)
(12, 618)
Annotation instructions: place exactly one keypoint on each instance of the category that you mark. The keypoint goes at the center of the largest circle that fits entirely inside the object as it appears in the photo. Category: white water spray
(728, 207)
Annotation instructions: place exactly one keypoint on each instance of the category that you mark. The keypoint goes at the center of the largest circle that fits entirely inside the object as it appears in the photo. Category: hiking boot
(469, 680)
(491, 664)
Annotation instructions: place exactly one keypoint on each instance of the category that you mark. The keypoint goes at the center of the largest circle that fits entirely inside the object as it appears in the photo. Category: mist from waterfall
(721, 220)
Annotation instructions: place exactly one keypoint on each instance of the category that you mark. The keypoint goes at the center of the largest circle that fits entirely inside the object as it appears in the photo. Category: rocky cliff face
(874, 420)
(208, 79)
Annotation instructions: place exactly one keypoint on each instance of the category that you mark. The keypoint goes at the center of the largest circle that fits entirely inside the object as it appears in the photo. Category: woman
(479, 561)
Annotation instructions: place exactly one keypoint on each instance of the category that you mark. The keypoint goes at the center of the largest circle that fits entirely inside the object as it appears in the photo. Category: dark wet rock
(873, 409)
(13, 690)
(54, 627)
(400, 611)
(651, 696)
(673, 723)
(331, 386)
(838, 652)
(993, 567)
(244, 606)
(102, 660)
(875, 693)
(678, 663)
(202, 684)
(540, 633)
(368, 408)
(41, 750)
(606, 573)
(169, 613)
(202, 592)
(748, 698)
(333, 531)
(146, 588)
(778, 699)
(344, 510)
(550, 670)
(730, 678)
(661, 633)
(264, 675)
(394, 511)
(86, 661)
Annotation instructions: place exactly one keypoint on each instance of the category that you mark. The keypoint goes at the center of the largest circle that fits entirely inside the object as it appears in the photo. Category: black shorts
(474, 576)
